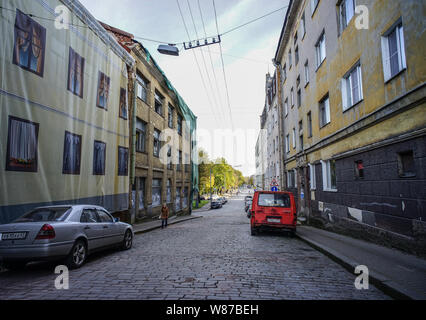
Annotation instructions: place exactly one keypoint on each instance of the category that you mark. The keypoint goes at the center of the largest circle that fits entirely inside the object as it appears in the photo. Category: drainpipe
(133, 149)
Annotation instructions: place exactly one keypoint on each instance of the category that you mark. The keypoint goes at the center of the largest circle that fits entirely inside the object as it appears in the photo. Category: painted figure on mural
(103, 91)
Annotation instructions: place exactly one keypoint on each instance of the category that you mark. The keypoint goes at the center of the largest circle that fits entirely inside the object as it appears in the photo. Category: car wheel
(128, 240)
(253, 231)
(77, 256)
(14, 266)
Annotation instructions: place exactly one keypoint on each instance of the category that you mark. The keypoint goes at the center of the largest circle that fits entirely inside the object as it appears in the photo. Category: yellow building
(64, 134)
(352, 89)
(159, 177)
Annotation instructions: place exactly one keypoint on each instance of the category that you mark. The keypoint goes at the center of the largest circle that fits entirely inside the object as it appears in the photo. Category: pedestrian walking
(164, 215)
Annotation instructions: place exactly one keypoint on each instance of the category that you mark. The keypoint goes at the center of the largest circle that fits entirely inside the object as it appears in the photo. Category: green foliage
(224, 177)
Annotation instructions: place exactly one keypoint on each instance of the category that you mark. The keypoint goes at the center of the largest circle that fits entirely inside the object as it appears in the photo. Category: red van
(273, 210)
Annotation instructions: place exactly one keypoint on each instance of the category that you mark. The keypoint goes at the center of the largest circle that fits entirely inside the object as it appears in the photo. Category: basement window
(406, 167)
(359, 169)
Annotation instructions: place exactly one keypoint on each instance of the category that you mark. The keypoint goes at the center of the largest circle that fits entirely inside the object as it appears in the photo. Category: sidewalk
(398, 274)
(156, 224)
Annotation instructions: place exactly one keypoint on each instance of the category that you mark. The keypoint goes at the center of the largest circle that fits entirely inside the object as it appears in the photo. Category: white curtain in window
(22, 140)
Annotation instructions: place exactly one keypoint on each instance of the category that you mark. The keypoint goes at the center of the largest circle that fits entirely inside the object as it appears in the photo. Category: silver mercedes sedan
(67, 233)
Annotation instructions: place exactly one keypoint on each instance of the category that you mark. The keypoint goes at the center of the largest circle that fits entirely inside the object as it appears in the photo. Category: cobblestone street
(213, 257)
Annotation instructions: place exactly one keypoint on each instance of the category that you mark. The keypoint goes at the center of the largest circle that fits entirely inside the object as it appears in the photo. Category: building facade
(354, 117)
(64, 134)
(273, 175)
(163, 171)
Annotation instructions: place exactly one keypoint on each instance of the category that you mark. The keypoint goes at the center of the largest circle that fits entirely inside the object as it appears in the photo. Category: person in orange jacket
(164, 215)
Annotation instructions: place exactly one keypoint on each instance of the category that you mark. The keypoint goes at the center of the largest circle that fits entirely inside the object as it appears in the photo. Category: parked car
(248, 205)
(223, 199)
(216, 204)
(69, 233)
(249, 210)
(273, 211)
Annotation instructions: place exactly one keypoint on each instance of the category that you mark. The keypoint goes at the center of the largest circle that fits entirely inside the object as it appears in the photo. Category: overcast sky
(247, 57)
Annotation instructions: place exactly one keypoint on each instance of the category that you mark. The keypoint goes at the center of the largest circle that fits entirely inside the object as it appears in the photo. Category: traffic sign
(274, 188)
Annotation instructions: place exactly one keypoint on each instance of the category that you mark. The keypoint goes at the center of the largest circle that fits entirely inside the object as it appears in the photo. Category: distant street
(213, 257)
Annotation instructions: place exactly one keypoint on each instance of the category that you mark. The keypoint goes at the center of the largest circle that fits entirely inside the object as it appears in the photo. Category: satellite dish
(168, 49)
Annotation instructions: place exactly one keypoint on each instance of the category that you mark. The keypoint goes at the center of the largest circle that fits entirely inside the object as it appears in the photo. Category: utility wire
(196, 60)
(211, 59)
(205, 64)
(223, 69)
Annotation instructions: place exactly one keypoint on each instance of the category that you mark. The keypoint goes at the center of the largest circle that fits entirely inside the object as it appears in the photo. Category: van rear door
(274, 208)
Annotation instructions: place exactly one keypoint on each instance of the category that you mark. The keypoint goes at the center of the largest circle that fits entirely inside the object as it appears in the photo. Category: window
(75, 73)
(284, 73)
(298, 81)
(123, 104)
(169, 191)
(158, 103)
(303, 25)
(324, 111)
(157, 143)
(306, 68)
(123, 155)
(299, 98)
(142, 88)
(179, 124)
(89, 216)
(22, 143)
(329, 175)
(359, 170)
(312, 177)
(314, 5)
(99, 156)
(103, 91)
(178, 167)
(274, 200)
(320, 49)
(30, 44)
(291, 179)
(140, 135)
(169, 158)
(294, 138)
(287, 143)
(104, 217)
(185, 197)
(292, 97)
(187, 162)
(346, 12)
(274, 146)
(177, 199)
(406, 168)
(295, 39)
(170, 116)
(309, 124)
(393, 52)
(301, 142)
(286, 107)
(352, 87)
(296, 55)
(72, 154)
(156, 192)
(289, 59)
(142, 192)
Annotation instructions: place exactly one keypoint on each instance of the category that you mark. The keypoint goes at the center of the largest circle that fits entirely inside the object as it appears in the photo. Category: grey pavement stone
(209, 258)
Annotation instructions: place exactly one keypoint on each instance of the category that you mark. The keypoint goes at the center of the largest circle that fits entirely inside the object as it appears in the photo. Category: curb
(381, 282)
(159, 226)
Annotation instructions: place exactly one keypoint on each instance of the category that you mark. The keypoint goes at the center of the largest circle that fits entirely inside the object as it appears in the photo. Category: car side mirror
(116, 219)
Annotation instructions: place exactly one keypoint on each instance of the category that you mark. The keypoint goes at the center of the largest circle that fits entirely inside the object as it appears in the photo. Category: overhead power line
(223, 69)
(196, 60)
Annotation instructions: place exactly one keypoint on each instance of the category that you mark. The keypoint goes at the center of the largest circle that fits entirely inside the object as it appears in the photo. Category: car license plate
(274, 220)
(14, 236)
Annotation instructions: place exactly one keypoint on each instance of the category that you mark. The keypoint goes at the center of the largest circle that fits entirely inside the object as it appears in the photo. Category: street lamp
(169, 49)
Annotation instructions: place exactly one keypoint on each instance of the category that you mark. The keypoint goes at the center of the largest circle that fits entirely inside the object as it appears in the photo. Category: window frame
(156, 140)
(77, 170)
(139, 133)
(386, 58)
(347, 82)
(72, 54)
(121, 173)
(318, 49)
(95, 173)
(9, 167)
(326, 175)
(327, 111)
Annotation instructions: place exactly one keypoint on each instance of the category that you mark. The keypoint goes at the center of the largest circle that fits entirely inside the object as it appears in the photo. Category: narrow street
(213, 257)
